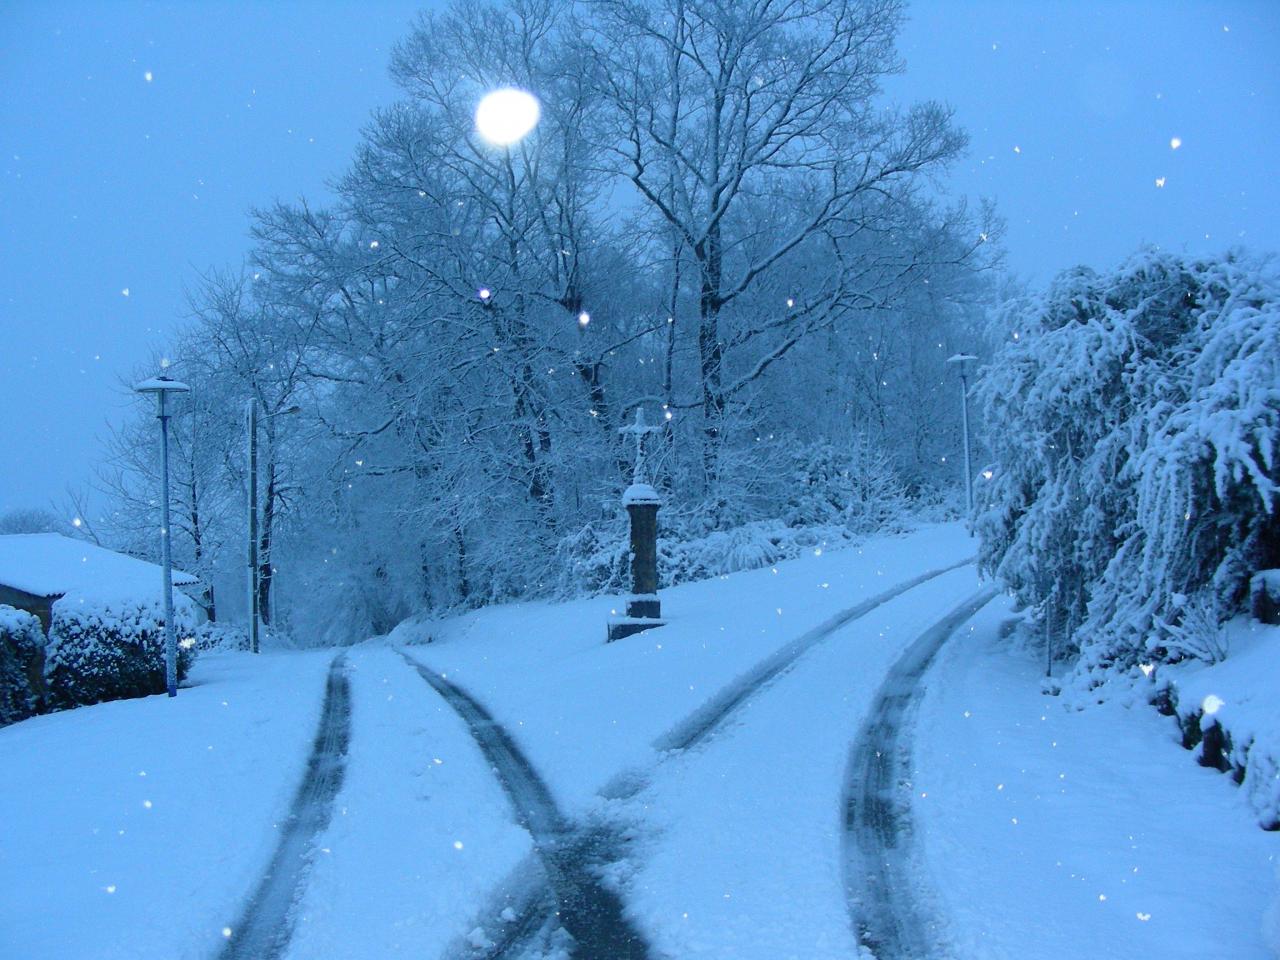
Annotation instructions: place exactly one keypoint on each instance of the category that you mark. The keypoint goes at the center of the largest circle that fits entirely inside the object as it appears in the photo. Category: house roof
(50, 565)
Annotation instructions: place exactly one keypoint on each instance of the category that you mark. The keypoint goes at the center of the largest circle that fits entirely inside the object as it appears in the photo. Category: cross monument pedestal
(644, 609)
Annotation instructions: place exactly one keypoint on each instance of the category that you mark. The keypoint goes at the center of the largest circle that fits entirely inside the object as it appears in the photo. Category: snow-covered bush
(210, 636)
(598, 561)
(21, 663)
(852, 485)
(1134, 424)
(109, 649)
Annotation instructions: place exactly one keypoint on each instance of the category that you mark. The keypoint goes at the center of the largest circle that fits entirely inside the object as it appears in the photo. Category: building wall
(42, 607)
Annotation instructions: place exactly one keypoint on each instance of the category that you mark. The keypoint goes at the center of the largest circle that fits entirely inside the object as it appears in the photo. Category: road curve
(876, 839)
(266, 924)
(589, 912)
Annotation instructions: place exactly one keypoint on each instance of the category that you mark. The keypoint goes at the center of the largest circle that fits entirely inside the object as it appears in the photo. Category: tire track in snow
(532, 908)
(712, 715)
(266, 924)
(876, 839)
(589, 912)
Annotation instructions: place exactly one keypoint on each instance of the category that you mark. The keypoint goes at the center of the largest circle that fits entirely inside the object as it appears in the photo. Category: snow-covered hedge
(827, 496)
(109, 649)
(598, 560)
(1134, 422)
(21, 663)
(210, 636)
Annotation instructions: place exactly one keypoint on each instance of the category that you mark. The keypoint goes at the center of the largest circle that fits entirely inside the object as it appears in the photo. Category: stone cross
(639, 430)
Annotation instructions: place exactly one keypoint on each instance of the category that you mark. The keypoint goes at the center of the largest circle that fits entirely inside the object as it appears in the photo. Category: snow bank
(1228, 711)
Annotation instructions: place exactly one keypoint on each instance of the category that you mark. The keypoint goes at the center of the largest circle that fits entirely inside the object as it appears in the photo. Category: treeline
(718, 219)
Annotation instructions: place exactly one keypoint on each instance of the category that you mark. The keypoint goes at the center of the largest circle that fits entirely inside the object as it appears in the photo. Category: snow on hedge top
(50, 565)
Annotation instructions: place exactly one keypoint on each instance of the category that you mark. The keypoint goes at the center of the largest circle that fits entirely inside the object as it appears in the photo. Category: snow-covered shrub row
(108, 649)
(597, 559)
(1134, 425)
(210, 636)
(21, 665)
(828, 497)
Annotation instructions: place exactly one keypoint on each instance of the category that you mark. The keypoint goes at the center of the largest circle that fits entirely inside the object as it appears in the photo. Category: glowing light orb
(1212, 704)
(507, 115)
(584, 318)
(1175, 143)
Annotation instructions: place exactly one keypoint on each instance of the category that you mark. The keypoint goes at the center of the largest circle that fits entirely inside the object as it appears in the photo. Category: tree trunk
(711, 352)
(265, 537)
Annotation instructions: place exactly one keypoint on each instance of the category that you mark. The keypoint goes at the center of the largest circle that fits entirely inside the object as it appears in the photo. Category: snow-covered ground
(586, 711)
(420, 832)
(1051, 833)
(730, 847)
(134, 829)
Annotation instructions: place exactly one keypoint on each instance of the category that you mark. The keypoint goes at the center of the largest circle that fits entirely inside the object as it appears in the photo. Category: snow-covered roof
(50, 565)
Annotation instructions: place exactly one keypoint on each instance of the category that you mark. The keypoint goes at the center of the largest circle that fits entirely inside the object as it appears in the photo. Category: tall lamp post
(961, 360)
(255, 611)
(162, 387)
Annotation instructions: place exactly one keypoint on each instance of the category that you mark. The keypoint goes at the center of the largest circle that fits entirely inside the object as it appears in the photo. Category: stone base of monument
(620, 627)
(644, 612)
(644, 605)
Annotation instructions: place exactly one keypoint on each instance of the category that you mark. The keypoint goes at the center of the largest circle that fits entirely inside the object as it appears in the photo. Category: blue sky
(110, 181)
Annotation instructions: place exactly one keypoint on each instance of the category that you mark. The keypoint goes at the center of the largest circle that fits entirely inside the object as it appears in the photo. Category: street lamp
(162, 387)
(255, 612)
(961, 359)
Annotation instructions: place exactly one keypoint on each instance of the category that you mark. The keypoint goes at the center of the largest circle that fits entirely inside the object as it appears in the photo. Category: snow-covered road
(689, 786)
(264, 930)
(879, 847)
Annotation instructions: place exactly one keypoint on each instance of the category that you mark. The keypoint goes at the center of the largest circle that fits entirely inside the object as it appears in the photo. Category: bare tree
(726, 112)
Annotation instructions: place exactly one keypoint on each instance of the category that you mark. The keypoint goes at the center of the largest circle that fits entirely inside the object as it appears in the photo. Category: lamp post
(255, 612)
(162, 387)
(960, 359)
